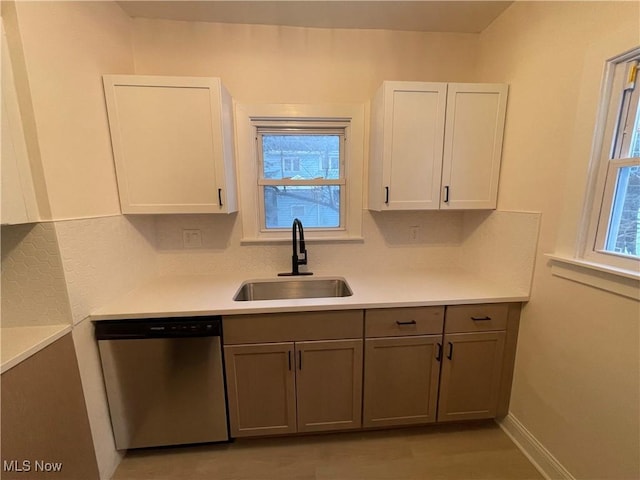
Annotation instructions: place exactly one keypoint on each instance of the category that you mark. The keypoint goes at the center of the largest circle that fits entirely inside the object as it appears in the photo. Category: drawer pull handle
(439, 354)
(300, 360)
(480, 319)
(220, 197)
(410, 322)
(450, 354)
(289, 360)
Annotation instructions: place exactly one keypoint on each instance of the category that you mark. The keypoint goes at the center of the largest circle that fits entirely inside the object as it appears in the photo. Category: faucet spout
(299, 255)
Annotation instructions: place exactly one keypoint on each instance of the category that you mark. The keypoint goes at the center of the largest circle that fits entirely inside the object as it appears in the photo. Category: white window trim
(245, 118)
(606, 271)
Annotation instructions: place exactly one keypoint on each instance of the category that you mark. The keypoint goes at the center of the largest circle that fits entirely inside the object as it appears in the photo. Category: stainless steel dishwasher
(164, 380)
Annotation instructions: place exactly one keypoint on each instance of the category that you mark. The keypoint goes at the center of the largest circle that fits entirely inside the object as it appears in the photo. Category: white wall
(63, 50)
(270, 64)
(103, 258)
(34, 290)
(67, 47)
(576, 386)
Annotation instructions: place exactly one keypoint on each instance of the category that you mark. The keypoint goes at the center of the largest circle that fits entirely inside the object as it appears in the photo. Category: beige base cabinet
(313, 371)
(470, 379)
(401, 380)
(425, 365)
(402, 365)
(261, 389)
(477, 364)
(44, 417)
(294, 386)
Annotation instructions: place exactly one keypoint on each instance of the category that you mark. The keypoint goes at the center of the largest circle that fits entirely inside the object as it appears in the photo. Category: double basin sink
(293, 289)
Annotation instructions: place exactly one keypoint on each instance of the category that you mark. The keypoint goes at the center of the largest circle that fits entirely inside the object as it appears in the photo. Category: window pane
(624, 228)
(301, 156)
(314, 206)
(635, 136)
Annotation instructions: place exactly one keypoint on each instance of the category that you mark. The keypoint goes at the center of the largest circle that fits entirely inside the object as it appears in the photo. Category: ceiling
(423, 16)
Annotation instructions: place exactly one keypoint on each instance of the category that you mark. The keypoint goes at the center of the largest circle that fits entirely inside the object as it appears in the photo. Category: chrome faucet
(296, 261)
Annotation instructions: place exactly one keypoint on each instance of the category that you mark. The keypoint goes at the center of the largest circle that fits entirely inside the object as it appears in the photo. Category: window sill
(616, 280)
(311, 240)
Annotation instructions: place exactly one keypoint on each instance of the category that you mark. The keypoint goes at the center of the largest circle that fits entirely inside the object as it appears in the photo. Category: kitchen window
(300, 182)
(300, 161)
(612, 237)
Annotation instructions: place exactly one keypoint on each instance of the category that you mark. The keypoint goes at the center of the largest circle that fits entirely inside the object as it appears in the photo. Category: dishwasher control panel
(159, 328)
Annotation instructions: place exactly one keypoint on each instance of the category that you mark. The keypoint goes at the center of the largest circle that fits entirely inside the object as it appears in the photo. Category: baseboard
(538, 455)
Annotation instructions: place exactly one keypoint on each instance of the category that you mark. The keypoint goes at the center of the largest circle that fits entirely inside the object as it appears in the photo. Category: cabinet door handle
(450, 354)
(410, 322)
(289, 355)
(439, 354)
(480, 319)
(446, 194)
(299, 359)
(386, 195)
(220, 196)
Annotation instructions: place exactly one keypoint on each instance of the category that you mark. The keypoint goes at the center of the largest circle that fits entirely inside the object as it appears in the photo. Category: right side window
(613, 237)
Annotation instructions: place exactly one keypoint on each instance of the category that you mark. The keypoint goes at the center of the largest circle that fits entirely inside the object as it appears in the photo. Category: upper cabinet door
(406, 146)
(172, 141)
(19, 204)
(473, 145)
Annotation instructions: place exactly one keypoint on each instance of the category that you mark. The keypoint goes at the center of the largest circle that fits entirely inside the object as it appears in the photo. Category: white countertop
(212, 295)
(19, 343)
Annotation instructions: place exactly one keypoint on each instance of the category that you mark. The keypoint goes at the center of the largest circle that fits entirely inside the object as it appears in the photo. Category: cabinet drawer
(396, 322)
(292, 327)
(476, 318)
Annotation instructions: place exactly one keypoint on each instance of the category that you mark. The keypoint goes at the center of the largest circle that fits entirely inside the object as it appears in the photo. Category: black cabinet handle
(289, 355)
(439, 354)
(480, 319)
(220, 196)
(300, 360)
(446, 194)
(450, 354)
(410, 322)
(386, 195)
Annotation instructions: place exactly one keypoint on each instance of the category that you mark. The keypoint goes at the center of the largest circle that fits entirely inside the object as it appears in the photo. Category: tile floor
(471, 451)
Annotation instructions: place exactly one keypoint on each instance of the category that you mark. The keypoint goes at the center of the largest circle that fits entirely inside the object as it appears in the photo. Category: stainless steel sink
(292, 288)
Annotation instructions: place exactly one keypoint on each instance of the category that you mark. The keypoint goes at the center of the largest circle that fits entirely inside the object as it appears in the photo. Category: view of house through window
(301, 176)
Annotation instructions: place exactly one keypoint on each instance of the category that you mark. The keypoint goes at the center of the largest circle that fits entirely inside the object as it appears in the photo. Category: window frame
(247, 119)
(605, 165)
(289, 127)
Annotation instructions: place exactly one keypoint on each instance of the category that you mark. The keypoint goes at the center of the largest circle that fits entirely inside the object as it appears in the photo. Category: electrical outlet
(414, 233)
(192, 238)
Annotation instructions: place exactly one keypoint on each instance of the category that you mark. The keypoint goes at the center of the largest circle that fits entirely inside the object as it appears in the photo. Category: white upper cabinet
(406, 146)
(473, 145)
(19, 204)
(172, 142)
(436, 145)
